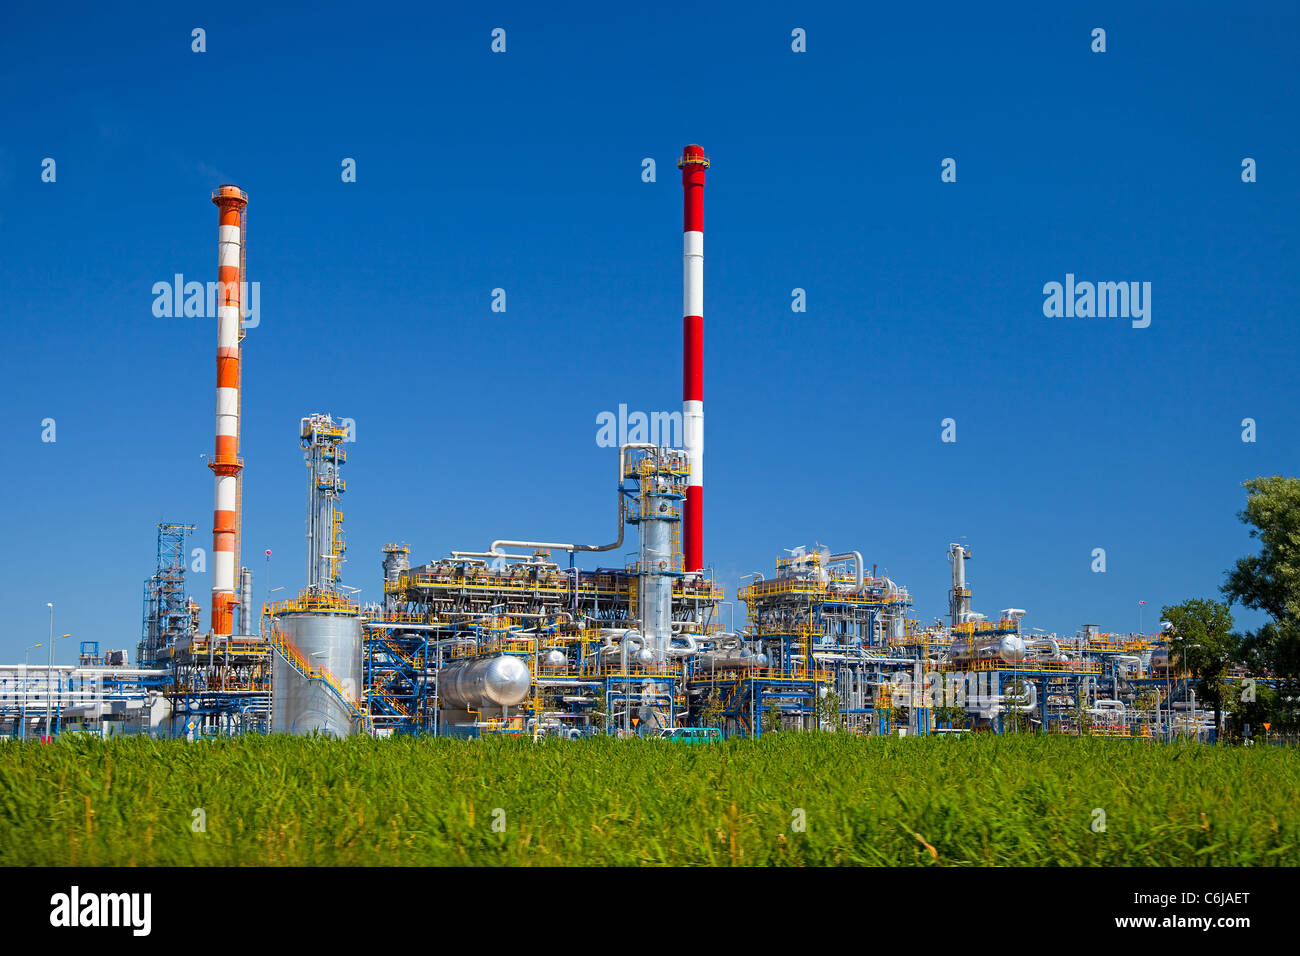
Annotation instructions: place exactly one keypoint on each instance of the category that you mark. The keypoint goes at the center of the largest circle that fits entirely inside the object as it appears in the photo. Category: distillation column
(226, 464)
(322, 441)
(660, 475)
(693, 163)
(959, 595)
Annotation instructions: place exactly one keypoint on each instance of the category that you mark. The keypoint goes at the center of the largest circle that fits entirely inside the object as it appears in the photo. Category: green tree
(1013, 718)
(711, 714)
(1083, 719)
(600, 713)
(772, 718)
(898, 715)
(828, 711)
(1202, 642)
(954, 715)
(1270, 582)
(1256, 708)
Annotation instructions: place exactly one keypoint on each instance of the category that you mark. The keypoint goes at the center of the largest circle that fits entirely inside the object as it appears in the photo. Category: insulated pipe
(693, 163)
(856, 558)
(525, 558)
(1048, 641)
(226, 464)
(692, 646)
(558, 546)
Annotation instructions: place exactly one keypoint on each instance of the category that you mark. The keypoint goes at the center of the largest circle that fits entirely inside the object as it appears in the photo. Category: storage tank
(731, 659)
(301, 705)
(484, 682)
(1008, 647)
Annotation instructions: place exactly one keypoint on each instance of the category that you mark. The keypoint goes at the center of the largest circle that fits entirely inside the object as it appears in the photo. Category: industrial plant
(514, 636)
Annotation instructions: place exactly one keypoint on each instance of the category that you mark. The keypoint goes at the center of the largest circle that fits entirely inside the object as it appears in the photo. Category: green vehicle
(691, 735)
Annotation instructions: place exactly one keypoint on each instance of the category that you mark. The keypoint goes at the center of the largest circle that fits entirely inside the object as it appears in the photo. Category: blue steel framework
(167, 614)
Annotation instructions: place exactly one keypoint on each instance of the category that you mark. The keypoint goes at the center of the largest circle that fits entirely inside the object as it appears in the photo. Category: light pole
(49, 679)
(26, 656)
(753, 700)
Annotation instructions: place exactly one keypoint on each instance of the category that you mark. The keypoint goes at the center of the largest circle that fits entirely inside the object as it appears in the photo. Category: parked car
(691, 735)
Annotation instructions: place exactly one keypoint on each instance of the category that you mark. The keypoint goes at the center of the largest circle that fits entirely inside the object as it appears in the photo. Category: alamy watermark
(1102, 300)
(128, 910)
(657, 428)
(200, 300)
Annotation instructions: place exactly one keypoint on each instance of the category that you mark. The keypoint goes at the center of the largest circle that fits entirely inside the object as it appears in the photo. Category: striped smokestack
(226, 463)
(693, 163)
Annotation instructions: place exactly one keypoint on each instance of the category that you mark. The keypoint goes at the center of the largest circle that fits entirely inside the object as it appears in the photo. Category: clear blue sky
(523, 171)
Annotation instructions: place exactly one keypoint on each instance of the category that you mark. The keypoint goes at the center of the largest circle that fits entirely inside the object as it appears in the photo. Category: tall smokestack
(226, 463)
(693, 164)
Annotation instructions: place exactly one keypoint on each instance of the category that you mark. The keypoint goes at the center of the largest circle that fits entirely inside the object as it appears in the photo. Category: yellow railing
(780, 586)
(509, 645)
(772, 674)
(972, 628)
(1053, 667)
(232, 646)
(634, 670)
(313, 601)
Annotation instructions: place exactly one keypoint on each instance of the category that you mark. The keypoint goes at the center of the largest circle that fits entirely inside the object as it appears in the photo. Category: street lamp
(50, 718)
(26, 657)
(49, 679)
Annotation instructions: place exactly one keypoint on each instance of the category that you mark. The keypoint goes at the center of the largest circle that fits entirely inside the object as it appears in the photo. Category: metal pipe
(856, 558)
(558, 546)
(525, 558)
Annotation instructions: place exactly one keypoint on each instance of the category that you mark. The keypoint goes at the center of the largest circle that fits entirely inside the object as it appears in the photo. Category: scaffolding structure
(169, 615)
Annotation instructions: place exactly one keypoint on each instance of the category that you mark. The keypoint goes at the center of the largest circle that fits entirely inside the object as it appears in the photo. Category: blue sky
(522, 171)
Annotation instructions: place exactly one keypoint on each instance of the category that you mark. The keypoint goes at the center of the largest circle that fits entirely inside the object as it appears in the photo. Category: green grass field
(418, 802)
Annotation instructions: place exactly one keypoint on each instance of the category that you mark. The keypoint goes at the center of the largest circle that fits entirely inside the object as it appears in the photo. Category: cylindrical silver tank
(484, 682)
(730, 660)
(246, 601)
(656, 561)
(1009, 648)
(330, 641)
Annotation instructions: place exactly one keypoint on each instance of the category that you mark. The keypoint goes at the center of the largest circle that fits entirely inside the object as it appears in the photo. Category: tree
(772, 718)
(600, 713)
(1013, 718)
(1257, 708)
(828, 711)
(898, 715)
(1202, 642)
(712, 712)
(1082, 719)
(954, 715)
(1270, 581)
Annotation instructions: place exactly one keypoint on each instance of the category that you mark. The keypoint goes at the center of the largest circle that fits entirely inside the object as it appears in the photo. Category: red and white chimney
(226, 464)
(693, 163)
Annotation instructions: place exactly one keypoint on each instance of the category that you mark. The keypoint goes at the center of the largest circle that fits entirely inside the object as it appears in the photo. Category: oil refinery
(516, 637)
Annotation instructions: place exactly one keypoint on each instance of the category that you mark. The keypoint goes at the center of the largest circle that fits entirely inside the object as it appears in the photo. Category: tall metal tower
(167, 615)
(322, 442)
(227, 467)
